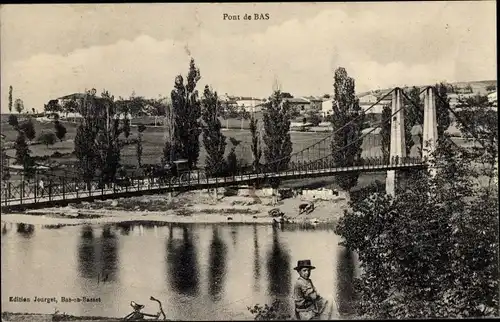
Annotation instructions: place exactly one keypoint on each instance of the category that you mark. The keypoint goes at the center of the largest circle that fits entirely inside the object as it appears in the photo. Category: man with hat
(309, 305)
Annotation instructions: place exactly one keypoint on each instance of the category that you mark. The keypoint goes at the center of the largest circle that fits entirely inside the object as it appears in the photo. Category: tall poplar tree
(256, 145)
(385, 133)
(213, 139)
(346, 145)
(10, 99)
(442, 109)
(278, 149)
(187, 111)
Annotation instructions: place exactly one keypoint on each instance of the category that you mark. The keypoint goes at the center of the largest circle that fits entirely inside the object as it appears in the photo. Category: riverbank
(38, 317)
(189, 207)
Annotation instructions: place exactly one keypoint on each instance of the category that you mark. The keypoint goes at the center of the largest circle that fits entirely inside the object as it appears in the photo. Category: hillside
(477, 86)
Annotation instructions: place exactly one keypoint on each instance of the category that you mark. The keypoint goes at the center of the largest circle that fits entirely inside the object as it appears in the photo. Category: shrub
(275, 311)
(47, 138)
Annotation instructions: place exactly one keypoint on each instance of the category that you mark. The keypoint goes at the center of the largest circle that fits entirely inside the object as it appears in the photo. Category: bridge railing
(32, 192)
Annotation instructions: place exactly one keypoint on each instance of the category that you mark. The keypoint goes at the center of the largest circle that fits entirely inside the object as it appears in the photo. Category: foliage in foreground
(275, 311)
(433, 250)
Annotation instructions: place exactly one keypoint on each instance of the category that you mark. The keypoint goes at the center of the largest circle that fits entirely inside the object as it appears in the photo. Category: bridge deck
(141, 187)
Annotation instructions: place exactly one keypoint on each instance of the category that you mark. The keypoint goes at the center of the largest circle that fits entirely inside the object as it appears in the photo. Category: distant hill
(477, 86)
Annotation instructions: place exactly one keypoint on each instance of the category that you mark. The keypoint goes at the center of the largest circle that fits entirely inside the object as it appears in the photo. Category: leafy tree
(13, 121)
(169, 122)
(232, 162)
(278, 149)
(19, 105)
(491, 88)
(70, 106)
(97, 144)
(136, 105)
(85, 151)
(256, 144)
(286, 95)
(385, 132)
(23, 154)
(213, 139)
(187, 111)
(140, 129)
(346, 143)
(60, 130)
(416, 264)
(167, 153)
(28, 127)
(158, 107)
(442, 110)
(478, 120)
(10, 99)
(47, 138)
(314, 118)
(126, 127)
(53, 106)
(5, 162)
(108, 144)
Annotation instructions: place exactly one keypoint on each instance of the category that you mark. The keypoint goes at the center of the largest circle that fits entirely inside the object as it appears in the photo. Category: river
(199, 272)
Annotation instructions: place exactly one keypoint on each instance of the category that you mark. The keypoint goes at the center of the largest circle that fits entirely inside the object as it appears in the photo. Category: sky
(51, 50)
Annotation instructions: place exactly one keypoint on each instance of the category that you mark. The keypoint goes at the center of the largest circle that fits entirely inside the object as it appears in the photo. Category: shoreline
(188, 208)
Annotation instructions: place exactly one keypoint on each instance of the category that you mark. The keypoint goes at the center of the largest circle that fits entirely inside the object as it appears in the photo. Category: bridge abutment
(397, 148)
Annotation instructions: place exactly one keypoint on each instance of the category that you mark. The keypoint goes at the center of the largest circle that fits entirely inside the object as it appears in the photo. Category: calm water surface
(200, 272)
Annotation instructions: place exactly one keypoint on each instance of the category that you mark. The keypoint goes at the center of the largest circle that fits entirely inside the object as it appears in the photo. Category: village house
(228, 103)
(63, 100)
(327, 107)
(300, 104)
(366, 100)
(249, 104)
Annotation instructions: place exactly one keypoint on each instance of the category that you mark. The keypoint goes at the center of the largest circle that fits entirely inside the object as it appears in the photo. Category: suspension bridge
(316, 160)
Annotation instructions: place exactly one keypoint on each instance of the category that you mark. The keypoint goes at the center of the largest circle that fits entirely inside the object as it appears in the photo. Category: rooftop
(298, 100)
(73, 96)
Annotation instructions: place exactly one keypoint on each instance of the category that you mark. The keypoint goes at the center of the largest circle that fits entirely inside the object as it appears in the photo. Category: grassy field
(153, 142)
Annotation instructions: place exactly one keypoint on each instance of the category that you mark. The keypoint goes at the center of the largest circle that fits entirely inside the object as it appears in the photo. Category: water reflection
(86, 253)
(125, 228)
(256, 260)
(25, 230)
(278, 268)
(217, 266)
(234, 234)
(345, 279)
(182, 263)
(103, 255)
(104, 267)
(109, 255)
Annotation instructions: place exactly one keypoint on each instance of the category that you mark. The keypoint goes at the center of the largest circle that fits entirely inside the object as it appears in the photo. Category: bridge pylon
(398, 142)
(429, 135)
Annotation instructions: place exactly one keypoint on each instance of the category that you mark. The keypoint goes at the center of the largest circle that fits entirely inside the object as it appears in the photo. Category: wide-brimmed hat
(306, 263)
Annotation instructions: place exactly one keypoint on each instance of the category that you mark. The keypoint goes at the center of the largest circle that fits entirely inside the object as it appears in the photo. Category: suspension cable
(335, 132)
(447, 106)
(362, 136)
